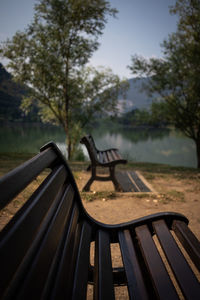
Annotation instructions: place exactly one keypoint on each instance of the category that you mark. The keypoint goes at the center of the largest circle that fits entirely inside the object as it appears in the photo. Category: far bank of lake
(140, 145)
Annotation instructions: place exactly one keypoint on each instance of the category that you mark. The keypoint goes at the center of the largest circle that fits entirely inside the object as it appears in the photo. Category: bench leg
(112, 177)
(90, 181)
(88, 168)
(117, 185)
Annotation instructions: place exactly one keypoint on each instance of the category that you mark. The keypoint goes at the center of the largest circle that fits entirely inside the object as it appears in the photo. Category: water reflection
(145, 145)
(135, 135)
(28, 137)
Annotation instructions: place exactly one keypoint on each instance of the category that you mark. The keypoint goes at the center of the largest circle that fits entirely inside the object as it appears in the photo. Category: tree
(159, 114)
(176, 76)
(51, 55)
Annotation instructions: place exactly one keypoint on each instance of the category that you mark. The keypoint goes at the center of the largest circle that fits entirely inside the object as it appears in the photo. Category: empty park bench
(45, 248)
(104, 158)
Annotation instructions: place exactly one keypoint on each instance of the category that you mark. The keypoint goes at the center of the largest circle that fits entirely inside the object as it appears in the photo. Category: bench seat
(45, 249)
(108, 158)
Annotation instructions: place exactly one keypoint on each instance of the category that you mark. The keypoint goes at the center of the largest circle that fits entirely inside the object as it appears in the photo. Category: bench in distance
(103, 158)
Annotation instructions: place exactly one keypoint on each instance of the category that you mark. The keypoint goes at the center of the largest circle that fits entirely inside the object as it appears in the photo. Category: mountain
(135, 97)
(11, 94)
(4, 75)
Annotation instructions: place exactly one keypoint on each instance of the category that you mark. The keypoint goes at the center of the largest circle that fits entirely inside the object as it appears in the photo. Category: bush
(78, 155)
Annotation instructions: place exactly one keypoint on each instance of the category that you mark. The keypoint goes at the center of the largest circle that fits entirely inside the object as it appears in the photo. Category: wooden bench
(106, 158)
(45, 248)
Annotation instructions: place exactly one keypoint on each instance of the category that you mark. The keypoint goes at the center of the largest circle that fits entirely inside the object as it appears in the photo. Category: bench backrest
(88, 141)
(44, 239)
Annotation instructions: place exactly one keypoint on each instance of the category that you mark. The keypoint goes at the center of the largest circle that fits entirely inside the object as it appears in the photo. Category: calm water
(143, 145)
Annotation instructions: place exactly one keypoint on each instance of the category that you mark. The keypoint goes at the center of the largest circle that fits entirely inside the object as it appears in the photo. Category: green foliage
(176, 76)
(160, 114)
(98, 91)
(136, 118)
(51, 57)
(78, 155)
(157, 116)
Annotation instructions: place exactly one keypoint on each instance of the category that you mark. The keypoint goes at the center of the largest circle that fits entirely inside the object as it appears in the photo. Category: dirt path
(173, 193)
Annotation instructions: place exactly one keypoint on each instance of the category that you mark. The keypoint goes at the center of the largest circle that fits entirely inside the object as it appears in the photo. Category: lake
(140, 145)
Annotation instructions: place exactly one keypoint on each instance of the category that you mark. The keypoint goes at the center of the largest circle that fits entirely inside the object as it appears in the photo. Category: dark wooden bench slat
(92, 142)
(164, 288)
(116, 154)
(135, 280)
(100, 157)
(184, 275)
(39, 261)
(189, 241)
(79, 290)
(110, 158)
(22, 229)
(14, 182)
(103, 276)
(56, 284)
(105, 158)
(93, 147)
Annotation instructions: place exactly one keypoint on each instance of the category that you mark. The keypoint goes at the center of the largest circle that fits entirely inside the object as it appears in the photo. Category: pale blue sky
(140, 27)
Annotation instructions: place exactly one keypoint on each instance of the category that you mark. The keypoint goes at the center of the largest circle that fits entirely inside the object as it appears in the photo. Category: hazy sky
(140, 27)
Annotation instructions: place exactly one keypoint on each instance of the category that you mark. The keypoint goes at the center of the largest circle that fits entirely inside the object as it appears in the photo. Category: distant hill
(4, 75)
(136, 98)
(11, 94)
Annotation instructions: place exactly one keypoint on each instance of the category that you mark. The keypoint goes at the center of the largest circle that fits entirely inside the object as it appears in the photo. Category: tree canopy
(176, 76)
(51, 57)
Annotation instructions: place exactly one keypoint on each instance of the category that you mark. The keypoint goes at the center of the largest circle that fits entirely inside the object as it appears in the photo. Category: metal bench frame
(45, 248)
(108, 158)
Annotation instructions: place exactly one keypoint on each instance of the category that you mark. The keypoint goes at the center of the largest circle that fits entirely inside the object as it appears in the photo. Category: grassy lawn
(8, 161)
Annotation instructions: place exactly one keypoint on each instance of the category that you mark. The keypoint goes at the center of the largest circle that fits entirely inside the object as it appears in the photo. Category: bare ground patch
(174, 193)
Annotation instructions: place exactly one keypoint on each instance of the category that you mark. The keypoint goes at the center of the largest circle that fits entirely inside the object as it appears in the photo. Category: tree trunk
(67, 100)
(198, 152)
(67, 129)
(68, 140)
(69, 148)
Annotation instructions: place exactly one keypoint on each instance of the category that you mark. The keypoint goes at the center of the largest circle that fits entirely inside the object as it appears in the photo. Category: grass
(91, 196)
(141, 196)
(149, 176)
(172, 196)
(11, 160)
(164, 198)
(176, 195)
(181, 172)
